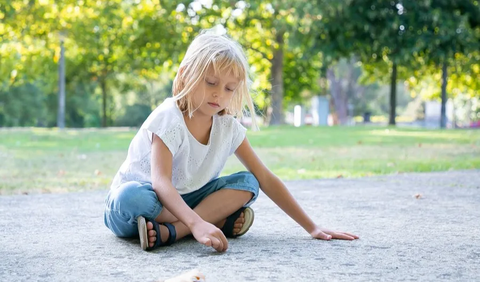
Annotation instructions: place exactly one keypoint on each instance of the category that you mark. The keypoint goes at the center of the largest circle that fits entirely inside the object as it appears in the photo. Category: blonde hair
(224, 55)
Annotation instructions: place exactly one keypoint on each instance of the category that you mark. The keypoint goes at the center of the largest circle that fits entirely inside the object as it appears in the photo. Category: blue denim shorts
(133, 199)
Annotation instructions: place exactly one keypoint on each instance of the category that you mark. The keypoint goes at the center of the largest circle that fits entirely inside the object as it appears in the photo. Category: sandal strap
(227, 228)
(172, 234)
(158, 241)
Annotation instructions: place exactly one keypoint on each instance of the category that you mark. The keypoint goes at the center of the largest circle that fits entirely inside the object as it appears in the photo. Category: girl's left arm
(278, 192)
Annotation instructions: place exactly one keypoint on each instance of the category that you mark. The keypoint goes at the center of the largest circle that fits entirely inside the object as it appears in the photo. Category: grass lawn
(35, 160)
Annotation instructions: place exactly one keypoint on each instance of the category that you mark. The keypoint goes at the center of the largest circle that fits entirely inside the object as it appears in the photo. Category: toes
(149, 225)
(152, 234)
(238, 224)
(240, 220)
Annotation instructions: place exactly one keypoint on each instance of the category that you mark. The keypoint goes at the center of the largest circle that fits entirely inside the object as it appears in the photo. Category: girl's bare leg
(214, 209)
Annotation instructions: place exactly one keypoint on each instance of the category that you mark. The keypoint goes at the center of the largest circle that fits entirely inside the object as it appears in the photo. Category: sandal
(227, 228)
(143, 233)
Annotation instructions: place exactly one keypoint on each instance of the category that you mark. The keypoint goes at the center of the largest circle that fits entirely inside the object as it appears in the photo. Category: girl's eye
(231, 90)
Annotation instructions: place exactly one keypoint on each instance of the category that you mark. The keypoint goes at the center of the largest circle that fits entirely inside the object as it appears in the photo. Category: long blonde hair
(224, 55)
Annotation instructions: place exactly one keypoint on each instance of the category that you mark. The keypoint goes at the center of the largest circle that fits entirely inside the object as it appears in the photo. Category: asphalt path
(412, 227)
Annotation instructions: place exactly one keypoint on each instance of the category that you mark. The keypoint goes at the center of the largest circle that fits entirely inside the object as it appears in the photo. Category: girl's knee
(248, 184)
(247, 178)
(252, 183)
(132, 197)
(126, 203)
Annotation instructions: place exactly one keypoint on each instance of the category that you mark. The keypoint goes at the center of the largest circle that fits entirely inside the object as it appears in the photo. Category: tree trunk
(61, 88)
(276, 117)
(103, 85)
(339, 97)
(393, 95)
(443, 116)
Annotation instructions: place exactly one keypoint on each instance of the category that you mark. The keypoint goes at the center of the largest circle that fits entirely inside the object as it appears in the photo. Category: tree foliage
(122, 55)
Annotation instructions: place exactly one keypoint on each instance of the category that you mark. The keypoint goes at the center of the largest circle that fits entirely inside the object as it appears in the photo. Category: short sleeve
(168, 128)
(239, 133)
(172, 137)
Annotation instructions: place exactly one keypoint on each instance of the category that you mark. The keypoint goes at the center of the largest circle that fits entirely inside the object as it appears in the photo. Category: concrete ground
(435, 237)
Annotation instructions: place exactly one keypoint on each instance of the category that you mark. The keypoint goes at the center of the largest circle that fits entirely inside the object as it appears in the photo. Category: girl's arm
(278, 192)
(161, 171)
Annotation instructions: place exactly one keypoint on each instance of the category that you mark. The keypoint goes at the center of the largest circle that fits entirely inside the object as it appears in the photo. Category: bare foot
(152, 234)
(237, 225)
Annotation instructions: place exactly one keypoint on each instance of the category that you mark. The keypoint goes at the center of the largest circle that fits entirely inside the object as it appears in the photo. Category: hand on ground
(209, 235)
(325, 234)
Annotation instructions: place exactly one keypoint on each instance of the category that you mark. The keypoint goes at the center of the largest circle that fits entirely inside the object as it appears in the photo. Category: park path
(435, 237)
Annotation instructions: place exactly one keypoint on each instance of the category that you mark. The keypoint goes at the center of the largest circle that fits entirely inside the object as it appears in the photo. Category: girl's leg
(213, 209)
(124, 204)
(214, 202)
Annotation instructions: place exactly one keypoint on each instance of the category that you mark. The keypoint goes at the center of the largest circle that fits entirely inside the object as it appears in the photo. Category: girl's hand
(325, 234)
(210, 236)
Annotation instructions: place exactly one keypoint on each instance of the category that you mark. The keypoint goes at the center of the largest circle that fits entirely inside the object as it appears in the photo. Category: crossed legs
(214, 209)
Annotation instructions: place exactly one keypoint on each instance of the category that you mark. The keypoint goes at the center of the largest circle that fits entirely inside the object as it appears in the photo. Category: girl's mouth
(215, 105)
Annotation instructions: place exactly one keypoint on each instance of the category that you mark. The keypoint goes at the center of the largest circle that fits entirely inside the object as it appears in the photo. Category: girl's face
(214, 93)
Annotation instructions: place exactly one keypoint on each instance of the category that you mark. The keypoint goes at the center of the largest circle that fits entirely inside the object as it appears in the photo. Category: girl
(168, 186)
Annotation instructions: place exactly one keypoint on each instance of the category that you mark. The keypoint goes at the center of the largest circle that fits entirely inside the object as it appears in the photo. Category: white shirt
(193, 164)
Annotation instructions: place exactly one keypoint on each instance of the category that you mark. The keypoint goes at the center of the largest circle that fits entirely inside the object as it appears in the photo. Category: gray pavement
(61, 237)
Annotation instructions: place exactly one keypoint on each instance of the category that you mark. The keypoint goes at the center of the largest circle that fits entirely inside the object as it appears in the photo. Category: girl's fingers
(351, 235)
(324, 236)
(207, 242)
(343, 236)
(217, 244)
(348, 236)
(225, 242)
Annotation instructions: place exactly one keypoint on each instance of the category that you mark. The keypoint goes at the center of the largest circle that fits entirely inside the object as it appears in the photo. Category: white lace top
(194, 164)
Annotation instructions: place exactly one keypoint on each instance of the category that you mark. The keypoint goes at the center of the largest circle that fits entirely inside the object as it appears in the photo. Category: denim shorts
(133, 199)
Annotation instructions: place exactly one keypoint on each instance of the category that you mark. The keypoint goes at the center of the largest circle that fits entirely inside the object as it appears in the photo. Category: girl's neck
(200, 127)
(198, 120)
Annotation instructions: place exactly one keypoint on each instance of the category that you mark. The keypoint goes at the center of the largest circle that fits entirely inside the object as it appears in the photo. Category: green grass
(47, 160)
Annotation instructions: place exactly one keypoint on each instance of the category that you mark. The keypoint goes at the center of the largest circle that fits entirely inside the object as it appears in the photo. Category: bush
(134, 115)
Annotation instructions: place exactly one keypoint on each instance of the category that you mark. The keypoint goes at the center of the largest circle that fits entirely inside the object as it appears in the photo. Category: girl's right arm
(161, 169)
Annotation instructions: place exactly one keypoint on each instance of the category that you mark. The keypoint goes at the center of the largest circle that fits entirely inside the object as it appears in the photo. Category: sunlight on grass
(39, 160)
(425, 134)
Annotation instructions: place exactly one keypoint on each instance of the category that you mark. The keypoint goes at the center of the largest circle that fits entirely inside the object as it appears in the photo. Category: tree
(344, 87)
(116, 37)
(26, 50)
(451, 29)
(380, 33)
(105, 39)
(276, 37)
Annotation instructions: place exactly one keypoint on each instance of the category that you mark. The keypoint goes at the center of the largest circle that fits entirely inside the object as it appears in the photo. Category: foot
(152, 234)
(236, 227)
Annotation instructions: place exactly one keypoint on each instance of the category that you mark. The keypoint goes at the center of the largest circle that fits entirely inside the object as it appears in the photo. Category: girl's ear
(181, 70)
(180, 76)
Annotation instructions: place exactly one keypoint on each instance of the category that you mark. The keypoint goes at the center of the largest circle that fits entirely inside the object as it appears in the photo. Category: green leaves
(128, 45)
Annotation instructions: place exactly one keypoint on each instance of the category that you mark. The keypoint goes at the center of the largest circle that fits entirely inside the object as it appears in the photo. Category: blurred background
(343, 88)
(109, 63)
